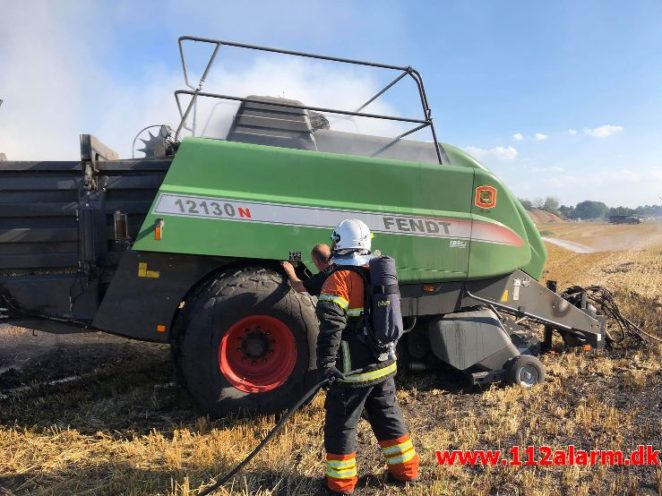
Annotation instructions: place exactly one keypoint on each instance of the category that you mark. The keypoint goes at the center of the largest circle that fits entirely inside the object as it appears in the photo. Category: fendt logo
(416, 225)
(486, 197)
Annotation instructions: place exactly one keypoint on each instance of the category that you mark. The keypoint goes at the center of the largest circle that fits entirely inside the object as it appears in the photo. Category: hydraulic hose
(606, 302)
(279, 425)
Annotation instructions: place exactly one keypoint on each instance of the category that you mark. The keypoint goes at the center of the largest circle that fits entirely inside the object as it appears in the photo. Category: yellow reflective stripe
(346, 357)
(404, 458)
(338, 300)
(341, 474)
(343, 471)
(341, 464)
(401, 454)
(355, 312)
(370, 376)
(398, 448)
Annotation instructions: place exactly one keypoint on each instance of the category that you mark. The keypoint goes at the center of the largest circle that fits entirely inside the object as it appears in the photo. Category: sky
(557, 97)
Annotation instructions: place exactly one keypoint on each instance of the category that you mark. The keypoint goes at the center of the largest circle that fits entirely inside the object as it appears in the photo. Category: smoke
(42, 80)
(57, 84)
(311, 83)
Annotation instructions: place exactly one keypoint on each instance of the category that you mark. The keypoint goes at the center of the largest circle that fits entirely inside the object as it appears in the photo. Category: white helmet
(352, 240)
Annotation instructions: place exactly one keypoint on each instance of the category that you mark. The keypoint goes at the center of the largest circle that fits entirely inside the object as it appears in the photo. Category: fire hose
(276, 429)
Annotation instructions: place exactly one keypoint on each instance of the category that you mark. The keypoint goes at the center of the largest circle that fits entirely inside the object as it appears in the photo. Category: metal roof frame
(402, 72)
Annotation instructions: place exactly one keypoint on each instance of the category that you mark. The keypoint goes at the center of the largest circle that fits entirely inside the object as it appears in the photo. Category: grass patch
(128, 429)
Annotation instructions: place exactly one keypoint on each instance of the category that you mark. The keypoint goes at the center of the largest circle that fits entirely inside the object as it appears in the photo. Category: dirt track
(569, 245)
(601, 236)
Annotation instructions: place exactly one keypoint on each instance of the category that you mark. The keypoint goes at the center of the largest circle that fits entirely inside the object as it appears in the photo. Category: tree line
(587, 209)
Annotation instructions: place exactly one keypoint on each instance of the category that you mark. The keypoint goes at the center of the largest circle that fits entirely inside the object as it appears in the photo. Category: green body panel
(508, 210)
(291, 199)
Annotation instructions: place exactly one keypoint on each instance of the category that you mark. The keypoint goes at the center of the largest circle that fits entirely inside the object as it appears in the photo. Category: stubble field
(121, 425)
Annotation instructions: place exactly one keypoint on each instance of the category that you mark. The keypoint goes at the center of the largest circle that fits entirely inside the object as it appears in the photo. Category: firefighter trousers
(344, 406)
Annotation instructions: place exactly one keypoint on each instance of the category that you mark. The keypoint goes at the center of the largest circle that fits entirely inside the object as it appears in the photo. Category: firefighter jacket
(343, 340)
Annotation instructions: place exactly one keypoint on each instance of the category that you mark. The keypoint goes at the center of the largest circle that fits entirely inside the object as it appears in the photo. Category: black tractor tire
(217, 322)
(526, 371)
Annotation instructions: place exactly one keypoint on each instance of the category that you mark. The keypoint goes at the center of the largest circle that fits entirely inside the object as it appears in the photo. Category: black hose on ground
(279, 425)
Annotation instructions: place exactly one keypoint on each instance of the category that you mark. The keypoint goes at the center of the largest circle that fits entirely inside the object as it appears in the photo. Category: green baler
(184, 246)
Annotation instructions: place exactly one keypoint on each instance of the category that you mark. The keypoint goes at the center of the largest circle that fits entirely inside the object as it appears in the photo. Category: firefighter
(321, 255)
(343, 345)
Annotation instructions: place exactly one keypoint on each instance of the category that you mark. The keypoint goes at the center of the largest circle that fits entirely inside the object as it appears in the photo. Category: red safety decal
(486, 197)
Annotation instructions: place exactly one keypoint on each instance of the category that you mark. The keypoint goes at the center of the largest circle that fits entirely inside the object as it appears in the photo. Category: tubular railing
(196, 91)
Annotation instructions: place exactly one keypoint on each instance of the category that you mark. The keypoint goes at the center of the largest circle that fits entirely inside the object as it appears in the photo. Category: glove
(329, 373)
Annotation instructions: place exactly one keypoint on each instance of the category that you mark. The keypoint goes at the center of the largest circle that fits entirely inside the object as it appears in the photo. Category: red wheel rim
(257, 354)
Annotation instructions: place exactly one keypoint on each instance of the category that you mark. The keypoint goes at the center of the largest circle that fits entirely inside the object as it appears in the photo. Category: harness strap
(386, 290)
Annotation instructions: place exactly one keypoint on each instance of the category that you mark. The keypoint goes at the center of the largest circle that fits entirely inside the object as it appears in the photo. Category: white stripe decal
(346, 357)
(275, 213)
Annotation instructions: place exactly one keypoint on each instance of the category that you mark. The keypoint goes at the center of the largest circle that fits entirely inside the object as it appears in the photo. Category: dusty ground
(544, 217)
(119, 425)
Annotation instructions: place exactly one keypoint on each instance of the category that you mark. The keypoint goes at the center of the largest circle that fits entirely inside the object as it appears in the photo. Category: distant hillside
(544, 217)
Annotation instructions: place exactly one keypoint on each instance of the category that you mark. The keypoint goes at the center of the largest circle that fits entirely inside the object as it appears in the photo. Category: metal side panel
(466, 339)
(128, 188)
(430, 299)
(58, 246)
(146, 291)
(224, 199)
(39, 216)
(70, 296)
